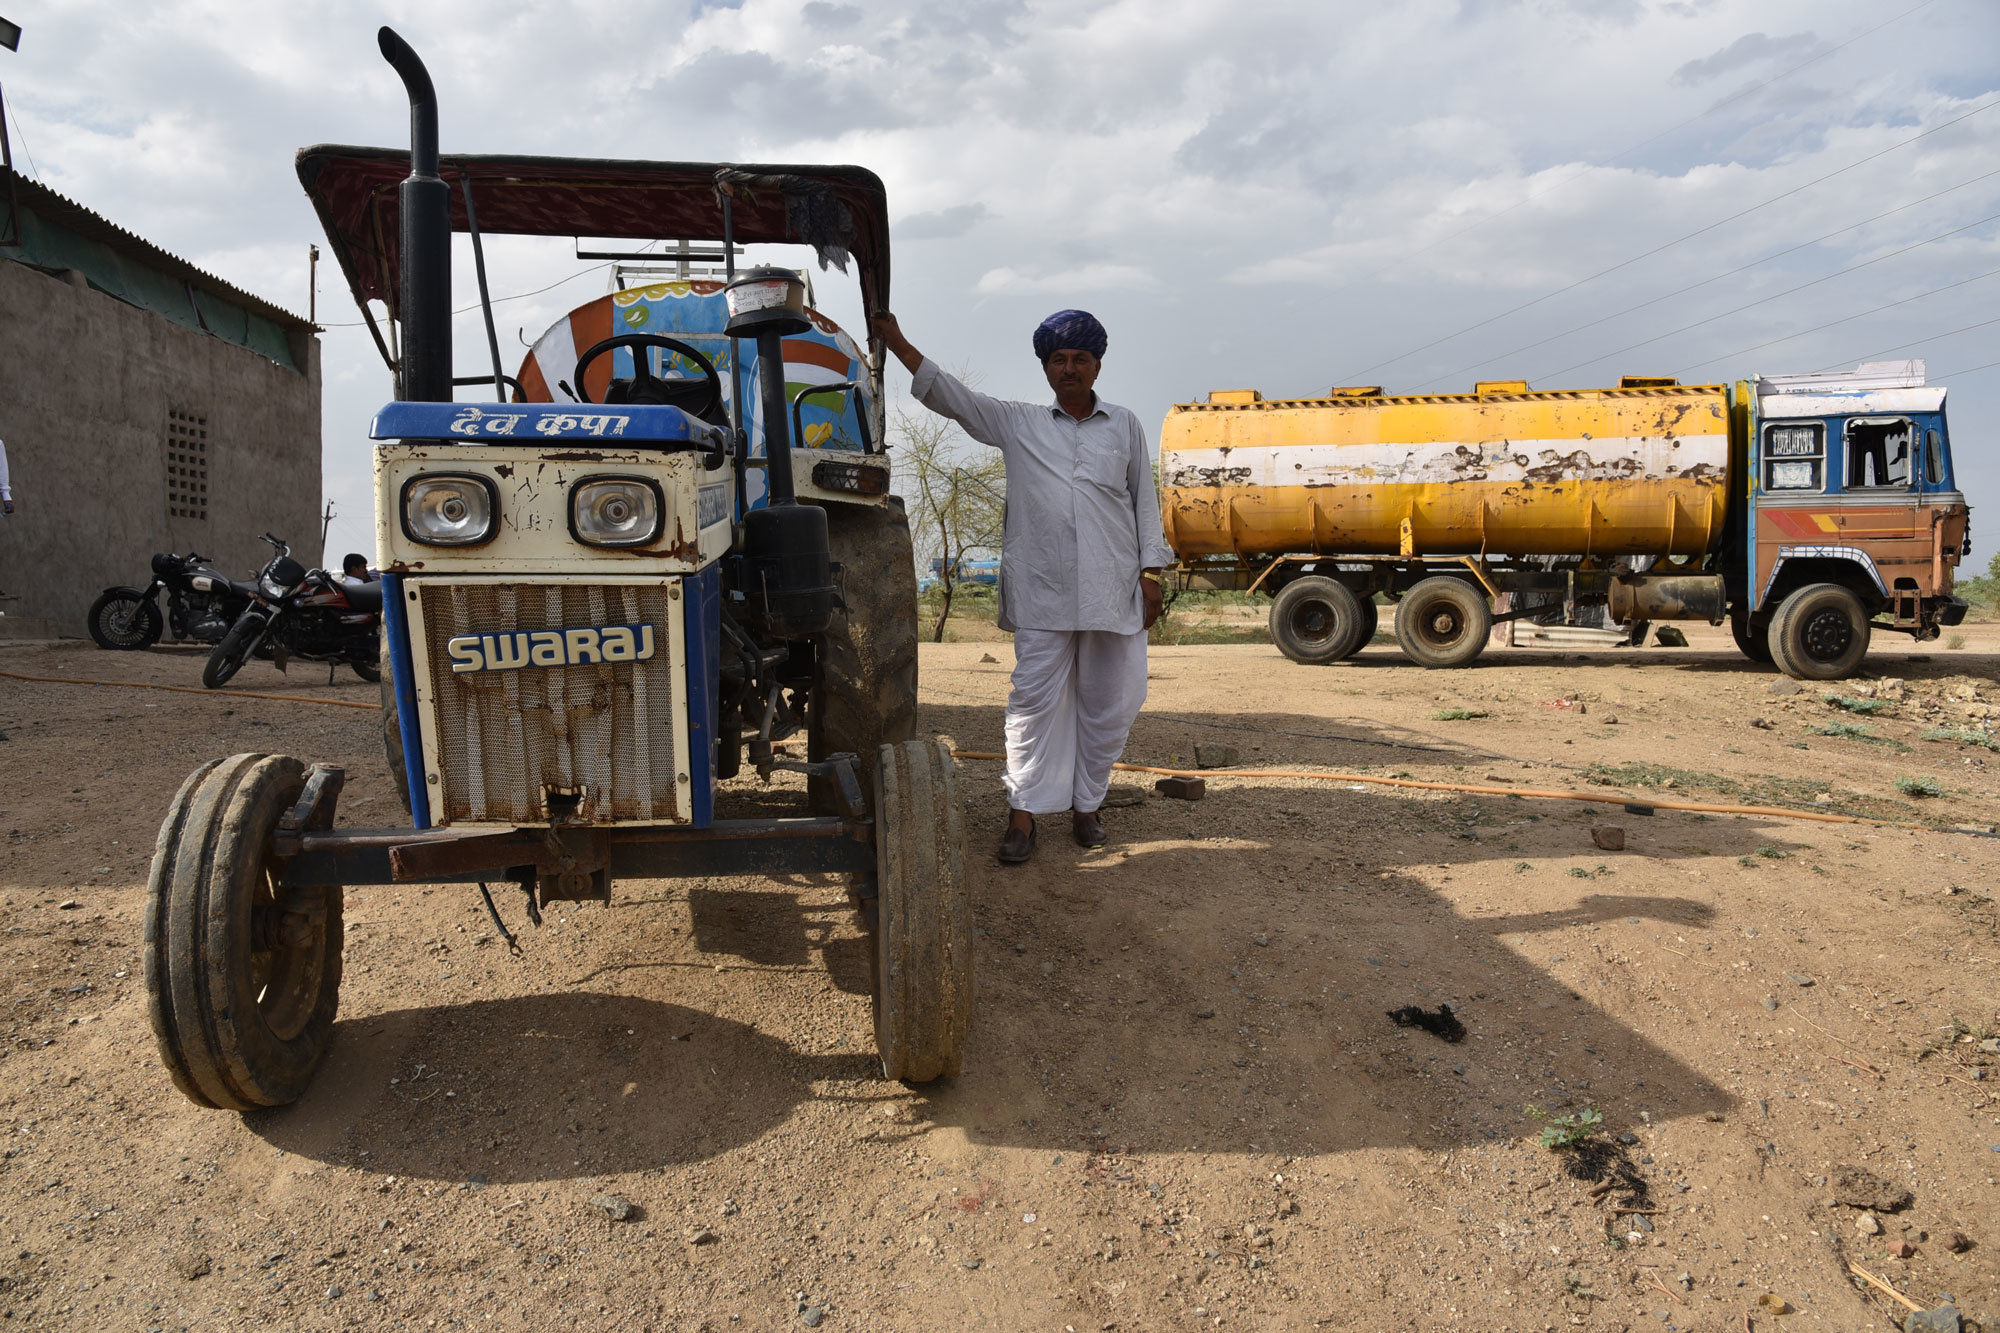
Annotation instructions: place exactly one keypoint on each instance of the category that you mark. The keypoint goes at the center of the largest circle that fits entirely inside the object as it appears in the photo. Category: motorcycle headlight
(449, 509)
(272, 588)
(615, 511)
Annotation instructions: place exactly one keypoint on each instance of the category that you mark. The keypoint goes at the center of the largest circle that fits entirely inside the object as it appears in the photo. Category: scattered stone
(1713, 1117)
(1867, 1225)
(701, 1235)
(1263, 941)
(1990, 1045)
(812, 1316)
(1608, 837)
(1204, 1013)
(1628, 1138)
(68, 905)
(1124, 794)
(333, 1293)
(988, 657)
(615, 1208)
(1944, 1319)
(1182, 789)
(1610, 719)
(1859, 1188)
(1771, 1002)
(1783, 686)
(1208, 755)
(1763, 724)
(475, 1178)
(971, 1265)
(1798, 978)
(190, 1263)
(1958, 1242)
(1638, 1222)
(1669, 637)
(1901, 1249)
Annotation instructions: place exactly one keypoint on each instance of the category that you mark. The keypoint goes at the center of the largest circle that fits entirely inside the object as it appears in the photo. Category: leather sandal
(1015, 845)
(1087, 828)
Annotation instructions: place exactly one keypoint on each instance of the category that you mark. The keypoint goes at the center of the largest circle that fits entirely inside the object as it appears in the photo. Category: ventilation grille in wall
(187, 465)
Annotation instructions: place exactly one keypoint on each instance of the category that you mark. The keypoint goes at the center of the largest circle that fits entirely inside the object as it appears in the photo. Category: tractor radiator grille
(597, 741)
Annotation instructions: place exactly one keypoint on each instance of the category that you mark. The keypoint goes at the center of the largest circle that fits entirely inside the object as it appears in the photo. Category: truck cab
(1856, 517)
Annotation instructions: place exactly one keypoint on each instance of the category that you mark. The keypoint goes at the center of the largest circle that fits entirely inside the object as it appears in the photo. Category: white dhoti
(1074, 697)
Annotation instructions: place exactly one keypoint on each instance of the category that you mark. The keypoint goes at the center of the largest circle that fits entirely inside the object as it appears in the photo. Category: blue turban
(1076, 329)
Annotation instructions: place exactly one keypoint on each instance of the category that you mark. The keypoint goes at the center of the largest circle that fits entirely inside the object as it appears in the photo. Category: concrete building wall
(94, 394)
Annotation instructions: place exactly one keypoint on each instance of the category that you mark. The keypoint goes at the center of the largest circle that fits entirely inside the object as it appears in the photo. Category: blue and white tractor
(664, 549)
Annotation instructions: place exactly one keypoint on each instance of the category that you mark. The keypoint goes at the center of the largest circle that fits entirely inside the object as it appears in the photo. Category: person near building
(1080, 564)
(354, 569)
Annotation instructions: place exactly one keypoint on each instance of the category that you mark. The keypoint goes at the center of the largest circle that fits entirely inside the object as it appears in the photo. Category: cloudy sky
(1278, 196)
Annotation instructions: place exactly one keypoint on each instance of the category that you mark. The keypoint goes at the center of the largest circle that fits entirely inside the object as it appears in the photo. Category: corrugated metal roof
(74, 217)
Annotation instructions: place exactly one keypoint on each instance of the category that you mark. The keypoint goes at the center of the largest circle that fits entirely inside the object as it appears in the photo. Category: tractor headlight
(615, 511)
(449, 509)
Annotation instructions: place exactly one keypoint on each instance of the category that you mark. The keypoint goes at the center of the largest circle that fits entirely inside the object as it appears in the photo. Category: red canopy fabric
(354, 191)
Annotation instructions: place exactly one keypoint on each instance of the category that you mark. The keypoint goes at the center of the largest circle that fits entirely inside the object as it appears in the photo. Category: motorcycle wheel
(123, 621)
(369, 670)
(230, 655)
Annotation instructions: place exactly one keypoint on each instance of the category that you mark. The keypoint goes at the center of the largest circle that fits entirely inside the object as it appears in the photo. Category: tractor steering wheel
(697, 398)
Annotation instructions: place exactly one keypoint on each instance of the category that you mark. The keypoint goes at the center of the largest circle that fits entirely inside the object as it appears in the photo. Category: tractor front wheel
(923, 915)
(242, 976)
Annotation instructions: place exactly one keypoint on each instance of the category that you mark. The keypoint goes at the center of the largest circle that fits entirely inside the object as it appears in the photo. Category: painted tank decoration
(695, 312)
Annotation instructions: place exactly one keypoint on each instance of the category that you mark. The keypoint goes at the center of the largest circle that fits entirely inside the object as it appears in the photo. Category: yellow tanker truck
(1806, 510)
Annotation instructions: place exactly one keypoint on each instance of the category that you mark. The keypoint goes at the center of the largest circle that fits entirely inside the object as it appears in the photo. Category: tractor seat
(363, 596)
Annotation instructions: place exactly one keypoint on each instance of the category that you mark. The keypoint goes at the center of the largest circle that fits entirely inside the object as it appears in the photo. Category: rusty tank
(1502, 471)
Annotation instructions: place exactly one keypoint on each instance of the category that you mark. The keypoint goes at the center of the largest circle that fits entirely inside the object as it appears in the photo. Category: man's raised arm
(984, 419)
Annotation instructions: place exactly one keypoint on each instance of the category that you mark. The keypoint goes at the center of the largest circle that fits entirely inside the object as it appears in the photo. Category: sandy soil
(1184, 1107)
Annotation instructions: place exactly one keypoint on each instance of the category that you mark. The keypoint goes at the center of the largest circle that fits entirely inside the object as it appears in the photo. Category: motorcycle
(305, 613)
(202, 604)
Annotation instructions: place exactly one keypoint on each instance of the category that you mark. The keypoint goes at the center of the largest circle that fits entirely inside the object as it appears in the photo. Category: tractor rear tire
(392, 731)
(865, 678)
(1316, 620)
(1443, 622)
(923, 915)
(241, 987)
(1820, 632)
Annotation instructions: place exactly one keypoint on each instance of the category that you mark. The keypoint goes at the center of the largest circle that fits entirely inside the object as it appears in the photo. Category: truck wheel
(1820, 633)
(1316, 620)
(241, 988)
(1371, 620)
(1753, 641)
(923, 917)
(1443, 622)
(124, 619)
(865, 677)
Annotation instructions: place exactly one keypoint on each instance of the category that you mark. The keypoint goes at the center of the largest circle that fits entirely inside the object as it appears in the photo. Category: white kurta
(1083, 518)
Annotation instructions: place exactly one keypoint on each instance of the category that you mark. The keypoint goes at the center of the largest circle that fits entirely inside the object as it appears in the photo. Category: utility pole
(325, 525)
(312, 284)
(10, 227)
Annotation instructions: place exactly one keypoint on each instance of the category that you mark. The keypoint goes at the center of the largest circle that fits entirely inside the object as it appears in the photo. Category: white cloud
(1249, 195)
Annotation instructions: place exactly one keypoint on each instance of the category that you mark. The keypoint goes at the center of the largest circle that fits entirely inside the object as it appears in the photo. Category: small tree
(960, 495)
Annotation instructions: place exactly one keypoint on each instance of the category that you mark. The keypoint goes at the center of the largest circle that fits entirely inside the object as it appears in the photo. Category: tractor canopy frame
(841, 211)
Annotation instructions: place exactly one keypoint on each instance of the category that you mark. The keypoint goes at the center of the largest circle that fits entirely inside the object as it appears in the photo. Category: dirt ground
(1185, 1106)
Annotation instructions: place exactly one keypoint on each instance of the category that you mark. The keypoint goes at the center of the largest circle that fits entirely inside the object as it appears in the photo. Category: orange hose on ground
(183, 689)
(1479, 789)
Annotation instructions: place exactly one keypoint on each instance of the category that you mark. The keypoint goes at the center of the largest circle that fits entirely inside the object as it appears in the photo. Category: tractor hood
(840, 211)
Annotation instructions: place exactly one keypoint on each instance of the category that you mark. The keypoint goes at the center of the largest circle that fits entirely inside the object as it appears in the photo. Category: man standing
(1080, 561)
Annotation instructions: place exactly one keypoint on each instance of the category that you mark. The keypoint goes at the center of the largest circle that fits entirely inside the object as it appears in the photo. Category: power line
(1671, 129)
(1900, 347)
(1961, 374)
(1851, 268)
(1679, 240)
(1682, 291)
(498, 300)
(1844, 319)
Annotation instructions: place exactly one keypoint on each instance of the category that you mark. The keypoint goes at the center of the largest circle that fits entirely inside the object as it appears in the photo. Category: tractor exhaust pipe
(424, 375)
